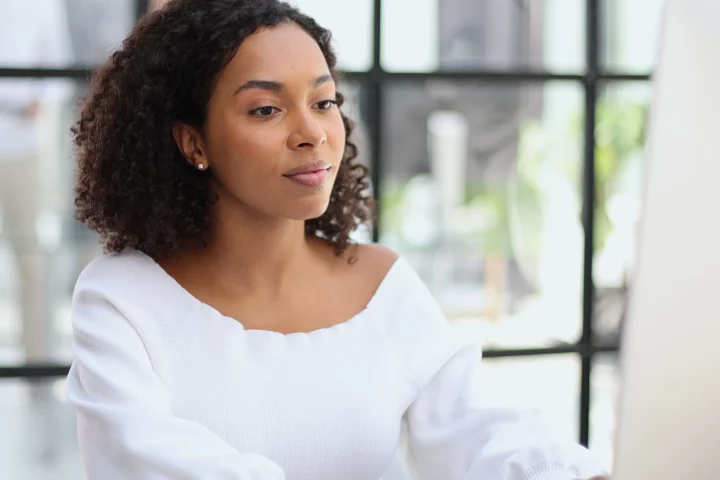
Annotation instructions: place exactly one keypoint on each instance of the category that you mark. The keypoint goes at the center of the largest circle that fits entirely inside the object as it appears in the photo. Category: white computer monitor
(669, 408)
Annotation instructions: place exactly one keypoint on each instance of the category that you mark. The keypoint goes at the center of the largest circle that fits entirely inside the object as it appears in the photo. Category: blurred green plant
(502, 205)
(391, 200)
(518, 205)
(492, 200)
(619, 134)
(514, 208)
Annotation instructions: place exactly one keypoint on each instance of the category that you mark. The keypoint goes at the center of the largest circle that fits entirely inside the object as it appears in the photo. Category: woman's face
(274, 137)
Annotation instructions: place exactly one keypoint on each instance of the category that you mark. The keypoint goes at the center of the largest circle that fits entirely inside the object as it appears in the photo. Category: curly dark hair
(134, 187)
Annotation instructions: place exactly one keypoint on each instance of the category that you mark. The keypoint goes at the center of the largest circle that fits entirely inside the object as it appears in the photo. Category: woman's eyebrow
(322, 79)
(277, 87)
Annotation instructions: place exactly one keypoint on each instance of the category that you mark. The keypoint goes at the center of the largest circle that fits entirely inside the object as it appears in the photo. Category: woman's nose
(308, 133)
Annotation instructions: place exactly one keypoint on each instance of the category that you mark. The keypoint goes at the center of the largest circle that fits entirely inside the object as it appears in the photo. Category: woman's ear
(189, 141)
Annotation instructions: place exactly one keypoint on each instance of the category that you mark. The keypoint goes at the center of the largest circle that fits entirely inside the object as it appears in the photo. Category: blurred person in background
(33, 34)
(234, 330)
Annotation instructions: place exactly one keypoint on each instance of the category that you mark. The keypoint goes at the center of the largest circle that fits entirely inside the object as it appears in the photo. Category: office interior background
(505, 139)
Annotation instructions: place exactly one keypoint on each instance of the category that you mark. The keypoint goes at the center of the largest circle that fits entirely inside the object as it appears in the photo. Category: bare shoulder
(373, 260)
(362, 266)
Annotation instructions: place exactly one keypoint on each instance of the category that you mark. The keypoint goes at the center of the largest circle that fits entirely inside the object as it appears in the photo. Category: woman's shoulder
(115, 266)
(374, 259)
(119, 274)
(414, 324)
(132, 279)
(399, 287)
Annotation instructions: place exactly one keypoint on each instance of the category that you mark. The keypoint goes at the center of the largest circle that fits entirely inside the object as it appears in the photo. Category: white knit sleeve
(452, 436)
(125, 425)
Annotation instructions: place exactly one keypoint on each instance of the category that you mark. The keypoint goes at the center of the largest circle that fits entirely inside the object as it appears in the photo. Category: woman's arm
(125, 424)
(453, 437)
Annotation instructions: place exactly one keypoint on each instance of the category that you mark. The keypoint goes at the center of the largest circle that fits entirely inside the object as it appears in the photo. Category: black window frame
(372, 83)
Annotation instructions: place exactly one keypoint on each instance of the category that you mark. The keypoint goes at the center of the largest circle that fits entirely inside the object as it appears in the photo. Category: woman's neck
(251, 255)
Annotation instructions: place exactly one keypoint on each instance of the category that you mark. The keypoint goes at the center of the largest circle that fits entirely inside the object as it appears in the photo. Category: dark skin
(258, 266)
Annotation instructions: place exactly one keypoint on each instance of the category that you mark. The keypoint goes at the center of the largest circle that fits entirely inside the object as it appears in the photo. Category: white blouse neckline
(374, 300)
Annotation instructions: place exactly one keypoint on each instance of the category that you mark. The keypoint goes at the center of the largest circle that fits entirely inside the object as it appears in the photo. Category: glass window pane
(549, 383)
(62, 33)
(620, 137)
(37, 438)
(351, 27)
(603, 408)
(42, 246)
(349, 22)
(630, 34)
(428, 35)
(481, 192)
(35, 299)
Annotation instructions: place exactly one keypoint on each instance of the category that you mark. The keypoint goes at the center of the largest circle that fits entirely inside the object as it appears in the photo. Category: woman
(234, 331)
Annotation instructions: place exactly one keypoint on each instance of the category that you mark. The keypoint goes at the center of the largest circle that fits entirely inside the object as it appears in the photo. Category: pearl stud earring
(201, 166)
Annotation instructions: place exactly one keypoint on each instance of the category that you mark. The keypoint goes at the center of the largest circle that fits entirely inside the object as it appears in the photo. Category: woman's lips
(313, 179)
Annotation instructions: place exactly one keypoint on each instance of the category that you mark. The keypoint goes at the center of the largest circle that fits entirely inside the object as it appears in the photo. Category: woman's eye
(264, 111)
(326, 104)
